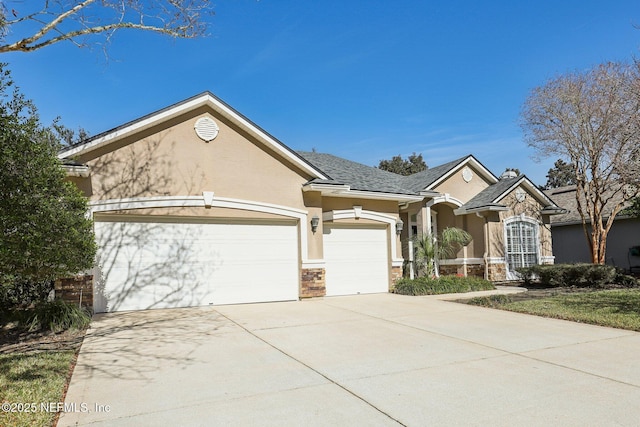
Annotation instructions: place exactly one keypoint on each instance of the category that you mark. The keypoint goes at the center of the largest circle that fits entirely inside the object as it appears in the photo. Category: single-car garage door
(165, 263)
(357, 260)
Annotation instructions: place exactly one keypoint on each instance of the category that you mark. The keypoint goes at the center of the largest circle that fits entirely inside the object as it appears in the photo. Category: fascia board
(532, 189)
(486, 173)
(343, 190)
(462, 211)
(205, 99)
(326, 188)
(429, 193)
(384, 196)
(76, 171)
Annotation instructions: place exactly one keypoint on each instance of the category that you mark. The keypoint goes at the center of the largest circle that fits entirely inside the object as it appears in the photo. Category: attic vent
(206, 129)
(467, 175)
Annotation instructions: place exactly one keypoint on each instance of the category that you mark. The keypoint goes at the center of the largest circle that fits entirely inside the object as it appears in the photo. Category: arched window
(522, 243)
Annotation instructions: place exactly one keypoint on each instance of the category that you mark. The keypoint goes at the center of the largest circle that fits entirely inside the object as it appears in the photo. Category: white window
(522, 244)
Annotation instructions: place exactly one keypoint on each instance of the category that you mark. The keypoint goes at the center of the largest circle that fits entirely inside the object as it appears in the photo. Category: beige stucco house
(195, 205)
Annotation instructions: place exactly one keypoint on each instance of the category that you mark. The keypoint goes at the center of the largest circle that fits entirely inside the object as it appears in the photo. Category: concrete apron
(379, 359)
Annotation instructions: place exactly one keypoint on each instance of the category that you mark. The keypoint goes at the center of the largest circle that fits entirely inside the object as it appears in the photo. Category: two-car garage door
(168, 263)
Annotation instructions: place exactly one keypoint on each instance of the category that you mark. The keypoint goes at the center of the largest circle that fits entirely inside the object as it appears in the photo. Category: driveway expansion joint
(332, 381)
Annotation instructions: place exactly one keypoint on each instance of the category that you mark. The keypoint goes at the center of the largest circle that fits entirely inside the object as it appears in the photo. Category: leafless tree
(26, 26)
(592, 120)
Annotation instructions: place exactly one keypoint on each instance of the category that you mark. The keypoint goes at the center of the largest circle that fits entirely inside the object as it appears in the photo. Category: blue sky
(365, 80)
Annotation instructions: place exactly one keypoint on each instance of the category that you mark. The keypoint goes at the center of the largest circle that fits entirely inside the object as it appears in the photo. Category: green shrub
(580, 275)
(626, 281)
(56, 316)
(14, 293)
(441, 285)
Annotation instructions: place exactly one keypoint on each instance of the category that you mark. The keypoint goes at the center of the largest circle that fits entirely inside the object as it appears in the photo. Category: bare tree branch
(68, 20)
(591, 119)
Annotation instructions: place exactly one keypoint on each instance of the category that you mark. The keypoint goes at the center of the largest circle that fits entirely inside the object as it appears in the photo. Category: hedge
(441, 285)
(579, 275)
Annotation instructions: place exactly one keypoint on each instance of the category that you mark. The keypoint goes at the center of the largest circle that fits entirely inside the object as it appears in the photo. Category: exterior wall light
(314, 223)
(399, 226)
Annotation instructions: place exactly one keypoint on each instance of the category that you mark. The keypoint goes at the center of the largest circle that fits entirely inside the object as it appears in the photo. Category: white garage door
(175, 264)
(357, 260)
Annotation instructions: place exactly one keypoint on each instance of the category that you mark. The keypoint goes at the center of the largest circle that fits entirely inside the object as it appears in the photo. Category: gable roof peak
(178, 109)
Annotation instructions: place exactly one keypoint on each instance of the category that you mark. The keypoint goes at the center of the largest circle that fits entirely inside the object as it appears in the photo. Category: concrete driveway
(370, 360)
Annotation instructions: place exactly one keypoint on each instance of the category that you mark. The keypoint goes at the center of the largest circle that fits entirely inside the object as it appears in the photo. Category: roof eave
(205, 99)
(429, 193)
(487, 208)
(553, 211)
(342, 190)
(76, 171)
(486, 173)
(532, 188)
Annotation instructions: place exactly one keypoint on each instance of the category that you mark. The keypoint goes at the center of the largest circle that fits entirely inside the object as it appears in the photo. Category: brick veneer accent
(396, 274)
(312, 283)
(72, 289)
(497, 272)
(448, 270)
(475, 270)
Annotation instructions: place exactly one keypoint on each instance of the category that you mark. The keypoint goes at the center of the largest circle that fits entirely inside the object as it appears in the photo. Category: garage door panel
(357, 260)
(153, 265)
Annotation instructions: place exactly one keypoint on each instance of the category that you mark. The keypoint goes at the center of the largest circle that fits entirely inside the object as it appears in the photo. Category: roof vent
(206, 129)
(509, 173)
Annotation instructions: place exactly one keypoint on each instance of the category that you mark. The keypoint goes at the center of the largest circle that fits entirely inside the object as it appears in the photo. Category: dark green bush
(580, 275)
(441, 285)
(15, 293)
(56, 316)
(626, 281)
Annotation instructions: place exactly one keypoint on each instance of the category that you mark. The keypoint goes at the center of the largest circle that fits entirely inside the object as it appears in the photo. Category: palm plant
(429, 250)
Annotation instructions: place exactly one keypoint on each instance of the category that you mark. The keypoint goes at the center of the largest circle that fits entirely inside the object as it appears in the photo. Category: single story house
(195, 205)
(570, 244)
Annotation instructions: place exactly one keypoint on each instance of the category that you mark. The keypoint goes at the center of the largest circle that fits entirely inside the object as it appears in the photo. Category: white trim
(205, 99)
(327, 189)
(397, 263)
(511, 273)
(344, 190)
(485, 208)
(532, 189)
(208, 198)
(496, 260)
(461, 261)
(444, 198)
(548, 259)
(314, 263)
(390, 220)
(77, 171)
(199, 201)
(470, 159)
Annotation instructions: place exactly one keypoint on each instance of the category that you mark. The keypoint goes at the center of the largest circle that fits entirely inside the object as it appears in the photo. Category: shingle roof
(356, 175)
(488, 196)
(566, 197)
(421, 180)
(368, 178)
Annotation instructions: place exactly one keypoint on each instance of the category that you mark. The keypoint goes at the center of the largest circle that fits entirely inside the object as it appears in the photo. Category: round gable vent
(206, 129)
(467, 174)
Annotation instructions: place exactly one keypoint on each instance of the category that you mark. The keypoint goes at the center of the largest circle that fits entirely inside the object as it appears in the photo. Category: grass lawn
(32, 378)
(34, 370)
(612, 308)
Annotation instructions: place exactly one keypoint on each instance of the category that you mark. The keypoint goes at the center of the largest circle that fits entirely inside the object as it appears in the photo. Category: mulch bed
(16, 340)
